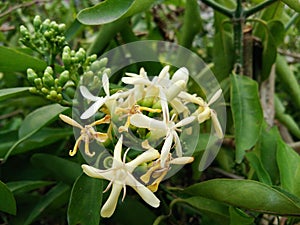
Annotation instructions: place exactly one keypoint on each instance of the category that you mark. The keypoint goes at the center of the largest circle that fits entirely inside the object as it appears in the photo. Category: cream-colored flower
(120, 175)
(166, 128)
(87, 133)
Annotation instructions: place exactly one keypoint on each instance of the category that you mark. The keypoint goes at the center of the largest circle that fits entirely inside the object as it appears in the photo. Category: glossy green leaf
(12, 60)
(111, 10)
(289, 168)
(215, 210)
(247, 113)
(59, 168)
(59, 191)
(259, 168)
(238, 217)
(293, 4)
(247, 194)
(85, 201)
(25, 186)
(12, 92)
(7, 200)
(40, 118)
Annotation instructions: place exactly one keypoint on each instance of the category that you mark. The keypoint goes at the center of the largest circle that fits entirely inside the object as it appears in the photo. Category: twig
(26, 4)
(295, 146)
(227, 174)
(5, 116)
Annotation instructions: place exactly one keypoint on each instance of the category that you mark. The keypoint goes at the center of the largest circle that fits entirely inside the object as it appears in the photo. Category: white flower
(87, 133)
(120, 175)
(99, 101)
(204, 112)
(166, 128)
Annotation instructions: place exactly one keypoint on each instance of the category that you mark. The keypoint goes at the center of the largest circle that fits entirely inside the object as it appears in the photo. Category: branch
(258, 7)
(219, 8)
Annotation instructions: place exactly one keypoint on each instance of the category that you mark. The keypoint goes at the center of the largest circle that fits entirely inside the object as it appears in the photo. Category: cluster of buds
(153, 111)
(47, 38)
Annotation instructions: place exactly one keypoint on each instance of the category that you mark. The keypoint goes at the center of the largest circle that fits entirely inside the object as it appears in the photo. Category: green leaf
(40, 118)
(238, 217)
(213, 209)
(12, 92)
(289, 168)
(85, 201)
(257, 165)
(247, 194)
(111, 10)
(294, 4)
(59, 191)
(34, 121)
(26, 186)
(247, 113)
(59, 168)
(7, 200)
(12, 60)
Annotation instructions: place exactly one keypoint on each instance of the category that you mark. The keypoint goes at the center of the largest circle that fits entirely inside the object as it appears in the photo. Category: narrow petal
(92, 171)
(179, 106)
(110, 205)
(87, 94)
(146, 156)
(164, 105)
(215, 97)
(70, 121)
(166, 150)
(175, 89)
(143, 121)
(181, 74)
(191, 98)
(105, 83)
(182, 160)
(146, 195)
(93, 108)
(136, 80)
(101, 137)
(178, 146)
(164, 72)
(216, 124)
(118, 152)
(185, 121)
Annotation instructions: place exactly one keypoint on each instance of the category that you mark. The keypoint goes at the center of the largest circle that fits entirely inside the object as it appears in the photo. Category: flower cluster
(154, 111)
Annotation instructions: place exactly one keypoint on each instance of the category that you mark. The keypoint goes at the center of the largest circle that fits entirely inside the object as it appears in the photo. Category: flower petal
(93, 108)
(70, 121)
(118, 153)
(166, 150)
(105, 83)
(216, 124)
(182, 160)
(92, 171)
(87, 94)
(110, 205)
(175, 89)
(143, 121)
(215, 97)
(146, 156)
(185, 121)
(164, 72)
(178, 147)
(181, 74)
(136, 80)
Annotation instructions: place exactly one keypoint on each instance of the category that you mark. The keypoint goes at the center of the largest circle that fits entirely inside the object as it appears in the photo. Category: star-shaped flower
(120, 175)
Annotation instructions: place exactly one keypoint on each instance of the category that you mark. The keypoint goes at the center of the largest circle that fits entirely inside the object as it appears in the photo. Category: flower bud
(33, 90)
(37, 22)
(63, 78)
(48, 80)
(38, 82)
(31, 75)
(45, 90)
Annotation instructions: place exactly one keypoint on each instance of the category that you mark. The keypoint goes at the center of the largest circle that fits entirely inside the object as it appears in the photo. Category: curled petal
(101, 137)
(192, 98)
(93, 108)
(181, 74)
(178, 147)
(92, 171)
(87, 94)
(140, 120)
(216, 124)
(204, 115)
(166, 150)
(111, 203)
(70, 121)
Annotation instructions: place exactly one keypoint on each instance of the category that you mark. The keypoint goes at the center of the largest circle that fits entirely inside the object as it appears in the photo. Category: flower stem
(258, 7)
(219, 8)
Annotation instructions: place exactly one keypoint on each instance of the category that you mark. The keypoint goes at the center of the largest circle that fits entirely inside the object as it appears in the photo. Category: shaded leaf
(57, 192)
(110, 10)
(12, 92)
(61, 169)
(13, 60)
(25, 186)
(289, 168)
(247, 113)
(85, 201)
(7, 200)
(238, 217)
(247, 194)
(294, 4)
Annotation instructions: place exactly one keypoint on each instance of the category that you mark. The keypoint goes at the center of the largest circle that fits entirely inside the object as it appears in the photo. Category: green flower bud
(61, 28)
(24, 30)
(38, 82)
(59, 97)
(48, 80)
(45, 90)
(53, 94)
(147, 102)
(33, 90)
(92, 58)
(66, 56)
(88, 77)
(59, 89)
(49, 70)
(70, 92)
(37, 22)
(63, 78)
(31, 75)
(107, 71)
(81, 55)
